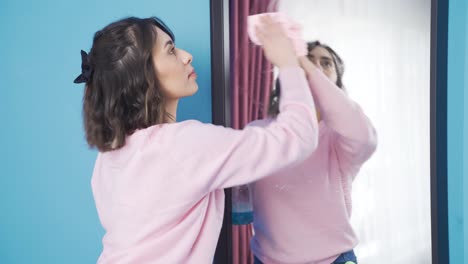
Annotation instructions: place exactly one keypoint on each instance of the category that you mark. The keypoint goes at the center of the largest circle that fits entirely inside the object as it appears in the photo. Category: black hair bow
(86, 69)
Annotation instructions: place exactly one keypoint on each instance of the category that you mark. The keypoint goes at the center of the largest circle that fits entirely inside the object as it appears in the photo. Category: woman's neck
(171, 111)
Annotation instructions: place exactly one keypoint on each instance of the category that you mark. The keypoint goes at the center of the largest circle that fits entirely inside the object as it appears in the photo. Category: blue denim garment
(345, 258)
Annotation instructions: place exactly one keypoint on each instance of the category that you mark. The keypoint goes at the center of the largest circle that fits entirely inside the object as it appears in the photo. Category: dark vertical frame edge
(438, 126)
(221, 107)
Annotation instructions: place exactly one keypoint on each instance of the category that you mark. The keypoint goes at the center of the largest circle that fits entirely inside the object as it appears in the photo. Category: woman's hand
(306, 64)
(277, 46)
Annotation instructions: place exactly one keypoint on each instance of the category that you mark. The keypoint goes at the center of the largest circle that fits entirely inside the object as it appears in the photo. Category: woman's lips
(193, 74)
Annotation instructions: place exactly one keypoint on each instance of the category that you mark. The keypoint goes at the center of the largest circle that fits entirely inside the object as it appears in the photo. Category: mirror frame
(221, 107)
(221, 115)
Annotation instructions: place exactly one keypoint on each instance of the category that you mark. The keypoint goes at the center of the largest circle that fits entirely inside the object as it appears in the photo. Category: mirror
(385, 47)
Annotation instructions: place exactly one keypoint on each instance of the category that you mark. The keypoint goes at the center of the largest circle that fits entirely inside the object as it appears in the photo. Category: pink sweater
(301, 214)
(160, 198)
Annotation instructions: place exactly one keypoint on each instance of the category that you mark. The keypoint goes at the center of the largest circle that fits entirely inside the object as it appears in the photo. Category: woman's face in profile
(173, 67)
(323, 60)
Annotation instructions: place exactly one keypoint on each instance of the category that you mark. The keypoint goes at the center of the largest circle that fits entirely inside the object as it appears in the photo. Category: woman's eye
(326, 64)
(172, 51)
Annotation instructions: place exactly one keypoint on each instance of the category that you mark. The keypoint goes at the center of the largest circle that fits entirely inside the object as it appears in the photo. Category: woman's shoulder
(174, 126)
(179, 129)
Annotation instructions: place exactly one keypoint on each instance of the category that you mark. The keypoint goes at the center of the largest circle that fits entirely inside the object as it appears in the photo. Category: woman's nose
(186, 57)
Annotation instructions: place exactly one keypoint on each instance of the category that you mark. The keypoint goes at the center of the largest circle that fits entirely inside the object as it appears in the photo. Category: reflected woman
(302, 213)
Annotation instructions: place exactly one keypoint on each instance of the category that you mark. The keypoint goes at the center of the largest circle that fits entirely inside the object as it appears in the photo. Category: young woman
(301, 214)
(157, 183)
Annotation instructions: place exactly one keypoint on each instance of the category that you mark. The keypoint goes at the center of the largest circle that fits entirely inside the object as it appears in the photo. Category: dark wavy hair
(123, 93)
(273, 108)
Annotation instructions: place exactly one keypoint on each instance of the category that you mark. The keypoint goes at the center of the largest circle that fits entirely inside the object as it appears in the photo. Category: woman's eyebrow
(169, 42)
(321, 57)
(326, 58)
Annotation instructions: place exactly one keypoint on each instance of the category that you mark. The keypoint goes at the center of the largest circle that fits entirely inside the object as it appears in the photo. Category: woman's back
(150, 205)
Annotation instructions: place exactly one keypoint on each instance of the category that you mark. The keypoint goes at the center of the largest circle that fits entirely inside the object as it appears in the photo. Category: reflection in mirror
(338, 200)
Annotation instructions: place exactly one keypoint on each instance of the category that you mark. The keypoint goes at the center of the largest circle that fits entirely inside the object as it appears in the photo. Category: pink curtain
(251, 82)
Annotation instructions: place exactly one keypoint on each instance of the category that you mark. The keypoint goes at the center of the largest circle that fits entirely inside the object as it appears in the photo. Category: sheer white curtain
(386, 49)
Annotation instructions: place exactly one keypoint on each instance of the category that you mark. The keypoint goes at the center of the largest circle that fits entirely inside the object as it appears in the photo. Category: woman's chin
(194, 89)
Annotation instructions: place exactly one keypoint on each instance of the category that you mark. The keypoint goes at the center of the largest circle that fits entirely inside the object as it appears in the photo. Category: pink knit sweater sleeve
(356, 138)
(217, 157)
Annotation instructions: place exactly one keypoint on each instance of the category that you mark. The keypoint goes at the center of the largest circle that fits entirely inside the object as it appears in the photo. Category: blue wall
(457, 130)
(47, 209)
